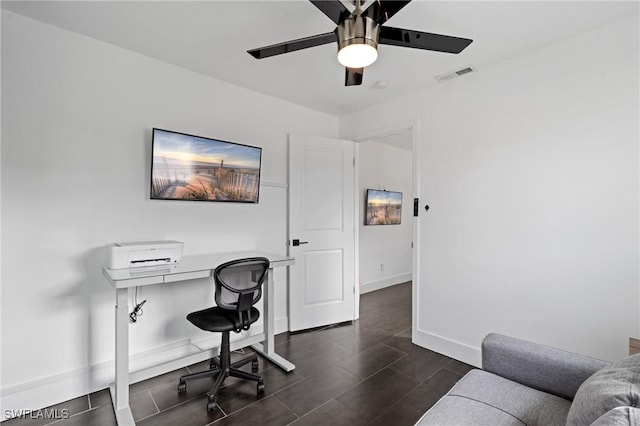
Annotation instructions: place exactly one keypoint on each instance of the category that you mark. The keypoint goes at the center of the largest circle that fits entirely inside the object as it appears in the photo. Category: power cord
(137, 311)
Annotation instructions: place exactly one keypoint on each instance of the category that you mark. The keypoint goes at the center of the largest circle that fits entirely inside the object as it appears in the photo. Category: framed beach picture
(383, 207)
(195, 168)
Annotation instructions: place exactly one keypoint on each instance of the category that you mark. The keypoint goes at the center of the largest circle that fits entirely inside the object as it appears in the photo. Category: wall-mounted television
(196, 168)
(383, 207)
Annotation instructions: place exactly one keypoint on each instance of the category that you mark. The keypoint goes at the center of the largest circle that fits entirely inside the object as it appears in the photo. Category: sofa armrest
(540, 367)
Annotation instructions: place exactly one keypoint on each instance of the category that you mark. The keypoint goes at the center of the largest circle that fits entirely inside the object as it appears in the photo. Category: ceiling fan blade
(353, 76)
(382, 10)
(334, 9)
(293, 45)
(420, 40)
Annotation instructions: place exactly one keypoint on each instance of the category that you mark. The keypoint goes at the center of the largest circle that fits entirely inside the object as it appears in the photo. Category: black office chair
(238, 286)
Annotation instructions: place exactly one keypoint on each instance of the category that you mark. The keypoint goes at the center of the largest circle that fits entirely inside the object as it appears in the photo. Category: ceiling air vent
(454, 74)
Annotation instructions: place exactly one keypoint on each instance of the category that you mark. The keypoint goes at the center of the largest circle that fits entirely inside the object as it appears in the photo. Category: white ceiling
(212, 37)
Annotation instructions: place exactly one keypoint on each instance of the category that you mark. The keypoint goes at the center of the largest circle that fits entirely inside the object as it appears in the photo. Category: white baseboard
(385, 282)
(449, 347)
(47, 391)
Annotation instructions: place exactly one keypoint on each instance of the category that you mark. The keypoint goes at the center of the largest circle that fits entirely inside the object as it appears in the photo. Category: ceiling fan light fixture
(358, 55)
(357, 41)
(358, 33)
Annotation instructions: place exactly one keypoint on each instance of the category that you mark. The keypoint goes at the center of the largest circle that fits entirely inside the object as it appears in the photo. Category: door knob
(297, 242)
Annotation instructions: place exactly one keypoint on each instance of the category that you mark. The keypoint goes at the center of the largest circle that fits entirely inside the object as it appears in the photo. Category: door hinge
(354, 161)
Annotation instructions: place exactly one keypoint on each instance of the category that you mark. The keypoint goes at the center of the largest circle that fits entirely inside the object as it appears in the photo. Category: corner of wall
(449, 347)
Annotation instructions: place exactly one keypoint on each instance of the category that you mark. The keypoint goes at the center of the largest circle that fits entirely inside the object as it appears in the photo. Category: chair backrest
(239, 285)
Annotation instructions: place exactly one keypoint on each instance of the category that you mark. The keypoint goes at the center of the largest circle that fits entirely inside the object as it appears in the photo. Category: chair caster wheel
(260, 388)
(211, 405)
(254, 366)
(182, 388)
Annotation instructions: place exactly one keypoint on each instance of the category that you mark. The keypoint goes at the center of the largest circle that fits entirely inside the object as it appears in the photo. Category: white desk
(190, 267)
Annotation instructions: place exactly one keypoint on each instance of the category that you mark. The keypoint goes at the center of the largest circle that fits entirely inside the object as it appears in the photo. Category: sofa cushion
(541, 367)
(619, 416)
(485, 398)
(460, 411)
(615, 386)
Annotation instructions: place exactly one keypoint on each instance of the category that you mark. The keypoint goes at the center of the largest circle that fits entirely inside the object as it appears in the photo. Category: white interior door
(321, 219)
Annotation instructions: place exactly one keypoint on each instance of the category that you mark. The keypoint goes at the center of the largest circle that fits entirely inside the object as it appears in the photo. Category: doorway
(386, 254)
(386, 159)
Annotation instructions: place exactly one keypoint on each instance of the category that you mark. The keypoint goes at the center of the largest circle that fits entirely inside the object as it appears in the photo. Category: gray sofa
(524, 383)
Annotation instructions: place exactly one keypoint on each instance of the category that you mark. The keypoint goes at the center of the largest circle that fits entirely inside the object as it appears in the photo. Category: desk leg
(120, 389)
(267, 346)
(269, 314)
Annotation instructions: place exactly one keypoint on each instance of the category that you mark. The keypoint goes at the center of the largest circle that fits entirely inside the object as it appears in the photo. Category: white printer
(143, 253)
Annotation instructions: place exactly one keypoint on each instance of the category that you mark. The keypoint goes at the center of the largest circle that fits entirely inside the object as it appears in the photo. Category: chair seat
(218, 319)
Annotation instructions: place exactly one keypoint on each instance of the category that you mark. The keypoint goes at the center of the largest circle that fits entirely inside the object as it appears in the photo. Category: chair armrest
(545, 368)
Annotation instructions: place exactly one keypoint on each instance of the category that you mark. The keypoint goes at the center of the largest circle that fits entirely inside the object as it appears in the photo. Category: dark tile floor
(363, 373)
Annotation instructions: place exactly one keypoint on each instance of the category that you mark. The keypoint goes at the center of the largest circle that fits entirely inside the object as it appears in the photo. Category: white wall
(385, 167)
(76, 137)
(531, 171)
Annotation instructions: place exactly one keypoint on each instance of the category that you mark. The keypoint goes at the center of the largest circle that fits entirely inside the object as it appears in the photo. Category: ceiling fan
(358, 34)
